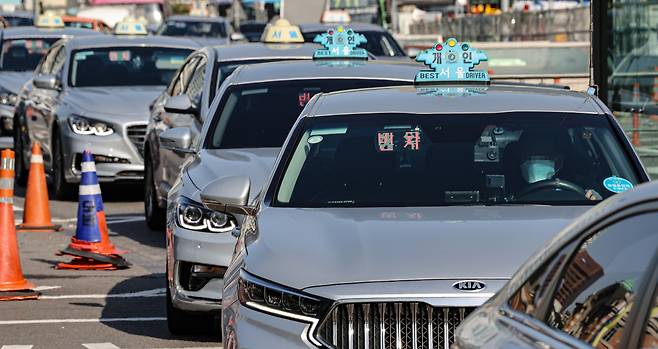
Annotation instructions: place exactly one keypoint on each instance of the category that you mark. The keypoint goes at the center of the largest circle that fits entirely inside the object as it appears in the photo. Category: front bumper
(117, 159)
(192, 247)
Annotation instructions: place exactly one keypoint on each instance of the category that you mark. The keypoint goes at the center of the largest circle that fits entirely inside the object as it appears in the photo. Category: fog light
(194, 277)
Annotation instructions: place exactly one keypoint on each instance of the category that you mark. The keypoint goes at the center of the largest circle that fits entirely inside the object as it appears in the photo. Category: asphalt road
(94, 309)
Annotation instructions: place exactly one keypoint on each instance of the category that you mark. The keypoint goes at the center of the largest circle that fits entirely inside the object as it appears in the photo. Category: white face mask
(537, 170)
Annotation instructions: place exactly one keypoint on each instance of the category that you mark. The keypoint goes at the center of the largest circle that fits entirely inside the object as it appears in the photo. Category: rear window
(261, 115)
(24, 54)
(379, 43)
(193, 29)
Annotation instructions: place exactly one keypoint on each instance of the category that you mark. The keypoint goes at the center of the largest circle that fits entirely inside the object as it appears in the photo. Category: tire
(181, 322)
(155, 215)
(62, 190)
(21, 164)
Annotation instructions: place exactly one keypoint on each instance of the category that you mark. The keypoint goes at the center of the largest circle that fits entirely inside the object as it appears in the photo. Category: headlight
(8, 98)
(279, 300)
(193, 216)
(86, 126)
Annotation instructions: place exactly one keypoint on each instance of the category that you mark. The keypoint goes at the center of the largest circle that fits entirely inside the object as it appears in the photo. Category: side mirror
(180, 104)
(238, 37)
(48, 82)
(228, 194)
(177, 139)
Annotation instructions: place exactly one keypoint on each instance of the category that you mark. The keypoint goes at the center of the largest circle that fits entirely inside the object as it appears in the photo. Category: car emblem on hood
(469, 285)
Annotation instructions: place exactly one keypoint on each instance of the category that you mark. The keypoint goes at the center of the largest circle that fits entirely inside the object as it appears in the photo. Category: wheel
(155, 215)
(61, 189)
(21, 163)
(180, 322)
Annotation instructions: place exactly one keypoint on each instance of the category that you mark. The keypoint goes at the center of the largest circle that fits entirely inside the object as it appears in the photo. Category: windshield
(17, 21)
(261, 115)
(379, 43)
(125, 66)
(193, 28)
(545, 60)
(24, 54)
(435, 160)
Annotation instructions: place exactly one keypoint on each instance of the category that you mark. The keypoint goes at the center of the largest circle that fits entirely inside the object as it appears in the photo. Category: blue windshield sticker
(617, 184)
(452, 61)
(340, 42)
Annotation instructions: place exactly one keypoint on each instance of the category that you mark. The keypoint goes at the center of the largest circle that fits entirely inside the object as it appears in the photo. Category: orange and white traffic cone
(36, 213)
(13, 285)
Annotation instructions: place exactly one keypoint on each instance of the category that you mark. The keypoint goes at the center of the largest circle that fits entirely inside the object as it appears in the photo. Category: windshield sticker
(412, 140)
(329, 131)
(315, 139)
(385, 141)
(119, 56)
(617, 184)
(303, 98)
(81, 56)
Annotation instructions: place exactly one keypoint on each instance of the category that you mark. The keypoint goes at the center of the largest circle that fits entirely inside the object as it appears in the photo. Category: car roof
(455, 99)
(34, 32)
(196, 19)
(128, 40)
(358, 27)
(324, 69)
(258, 50)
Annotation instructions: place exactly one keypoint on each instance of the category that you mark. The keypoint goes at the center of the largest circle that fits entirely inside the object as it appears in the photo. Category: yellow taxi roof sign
(130, 27)
(282, 32)
(50, 21)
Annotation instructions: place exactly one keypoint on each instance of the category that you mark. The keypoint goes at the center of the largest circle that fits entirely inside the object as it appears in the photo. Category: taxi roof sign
(282, 32)
(340, 42)
(130, 27)
(452, 61)
(50, 21)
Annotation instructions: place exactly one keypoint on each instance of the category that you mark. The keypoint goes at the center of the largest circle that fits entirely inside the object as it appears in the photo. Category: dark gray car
(93, 94)
(185, 103)
(593, 285)
(207, 31)
(392, 213)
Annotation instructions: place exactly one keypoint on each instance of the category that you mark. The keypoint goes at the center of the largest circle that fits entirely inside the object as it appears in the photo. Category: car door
(647, 334)
(165, 121)
(587, 294)
(194, 91)
(38, 107)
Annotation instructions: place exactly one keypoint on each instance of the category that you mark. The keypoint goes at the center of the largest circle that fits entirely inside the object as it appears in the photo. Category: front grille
(137, 136)
(390, 326)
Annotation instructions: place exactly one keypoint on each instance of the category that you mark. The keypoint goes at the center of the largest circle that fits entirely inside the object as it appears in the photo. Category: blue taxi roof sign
(452, 61)
(340, 42)
(130, 27)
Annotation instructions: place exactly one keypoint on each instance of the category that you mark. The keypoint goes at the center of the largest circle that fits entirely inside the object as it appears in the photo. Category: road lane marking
(126, 220)
(158, 292)
(100, 346)
(16, 347)
(61, 321)
(45, 288)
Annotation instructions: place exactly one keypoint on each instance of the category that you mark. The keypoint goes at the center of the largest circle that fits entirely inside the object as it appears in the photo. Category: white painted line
(100, 346)
(45, 288)
(16, 347)
(126, 220)
(61, 321)
(158, 292)
(64, 220)
(19, 209)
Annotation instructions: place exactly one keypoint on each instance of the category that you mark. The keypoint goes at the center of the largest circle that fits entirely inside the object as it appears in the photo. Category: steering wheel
(552, 184)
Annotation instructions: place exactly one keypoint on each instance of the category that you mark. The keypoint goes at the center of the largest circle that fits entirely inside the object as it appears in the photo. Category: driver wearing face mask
(541, 158)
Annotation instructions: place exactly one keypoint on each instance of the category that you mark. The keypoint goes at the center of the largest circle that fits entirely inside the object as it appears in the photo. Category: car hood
(303, 248)
(212, 164)
(120, 103)
(13, 81)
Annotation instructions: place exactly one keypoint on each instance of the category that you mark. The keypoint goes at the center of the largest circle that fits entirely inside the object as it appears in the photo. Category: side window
(180, 80)
(48, 59)
(650, 337)
(195, 86)
(595, 292)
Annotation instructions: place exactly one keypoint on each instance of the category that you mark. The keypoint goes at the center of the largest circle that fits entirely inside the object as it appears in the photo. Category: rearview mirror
(48, 82)
(177, 139)
(180, 104)
(238, 37)
(228, 194)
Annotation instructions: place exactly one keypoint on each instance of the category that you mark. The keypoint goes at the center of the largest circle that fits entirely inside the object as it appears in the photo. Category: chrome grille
(390, 326)
(137, 136)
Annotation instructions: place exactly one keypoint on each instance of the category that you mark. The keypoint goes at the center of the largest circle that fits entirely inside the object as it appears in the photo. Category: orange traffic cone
(36, 213)
(13, 285)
